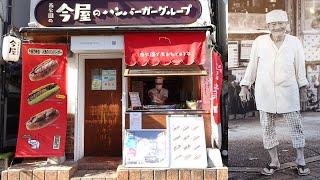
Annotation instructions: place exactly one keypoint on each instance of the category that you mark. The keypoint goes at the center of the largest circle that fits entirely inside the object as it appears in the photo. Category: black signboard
(73, 13)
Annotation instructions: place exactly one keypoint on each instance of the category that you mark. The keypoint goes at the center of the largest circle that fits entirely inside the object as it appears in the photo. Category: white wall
(72, 84)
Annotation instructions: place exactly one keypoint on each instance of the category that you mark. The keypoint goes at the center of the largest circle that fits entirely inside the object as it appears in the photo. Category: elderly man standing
(277, 67)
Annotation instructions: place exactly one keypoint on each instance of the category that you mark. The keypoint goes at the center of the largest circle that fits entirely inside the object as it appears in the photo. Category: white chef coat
(277, 74)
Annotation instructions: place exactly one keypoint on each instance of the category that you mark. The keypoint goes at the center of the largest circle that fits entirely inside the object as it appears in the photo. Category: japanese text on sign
(85, 12)
(164, 54)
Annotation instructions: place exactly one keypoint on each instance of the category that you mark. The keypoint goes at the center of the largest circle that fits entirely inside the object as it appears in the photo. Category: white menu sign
(135, 120)
(187, 142)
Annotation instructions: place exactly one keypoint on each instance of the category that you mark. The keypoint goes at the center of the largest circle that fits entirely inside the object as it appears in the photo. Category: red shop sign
(43, 112)
(165, 48)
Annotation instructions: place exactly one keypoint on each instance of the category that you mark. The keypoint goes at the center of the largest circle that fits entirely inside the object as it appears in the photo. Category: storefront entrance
(102, 122)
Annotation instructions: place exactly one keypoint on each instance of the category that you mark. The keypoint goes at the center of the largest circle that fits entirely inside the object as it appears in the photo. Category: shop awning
(171, 70)
(165, 48)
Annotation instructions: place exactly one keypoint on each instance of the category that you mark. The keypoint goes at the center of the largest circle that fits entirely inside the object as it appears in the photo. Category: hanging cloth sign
(217, 69)
(165, 48)
(43, 112)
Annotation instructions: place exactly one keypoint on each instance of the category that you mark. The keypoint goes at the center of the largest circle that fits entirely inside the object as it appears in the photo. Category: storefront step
(99, 163)
(172, 174)
(94, 174)
(39, 170)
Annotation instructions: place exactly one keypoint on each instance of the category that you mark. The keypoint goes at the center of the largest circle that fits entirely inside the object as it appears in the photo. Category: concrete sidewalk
(247, 155)
(286, 172)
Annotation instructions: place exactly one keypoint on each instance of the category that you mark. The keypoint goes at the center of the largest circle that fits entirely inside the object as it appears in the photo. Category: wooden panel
(158, 121)
(150, 121)
(103, 135)
(207, 129)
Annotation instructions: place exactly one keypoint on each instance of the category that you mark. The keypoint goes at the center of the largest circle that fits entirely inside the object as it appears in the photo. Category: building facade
(89, 80)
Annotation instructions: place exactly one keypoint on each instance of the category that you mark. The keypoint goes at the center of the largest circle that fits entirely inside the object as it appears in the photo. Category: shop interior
(182, 83)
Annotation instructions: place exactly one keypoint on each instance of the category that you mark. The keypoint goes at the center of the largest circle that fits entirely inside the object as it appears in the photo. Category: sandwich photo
(42, 119)
(40, 94)
(43, 70)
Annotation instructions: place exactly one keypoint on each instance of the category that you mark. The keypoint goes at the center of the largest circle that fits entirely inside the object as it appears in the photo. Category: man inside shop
(277, 67)
(158, 94)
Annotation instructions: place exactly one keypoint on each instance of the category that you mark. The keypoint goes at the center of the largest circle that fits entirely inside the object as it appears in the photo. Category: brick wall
(70, 136)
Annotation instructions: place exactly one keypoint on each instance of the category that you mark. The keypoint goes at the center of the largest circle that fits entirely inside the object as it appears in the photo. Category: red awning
(165, 48)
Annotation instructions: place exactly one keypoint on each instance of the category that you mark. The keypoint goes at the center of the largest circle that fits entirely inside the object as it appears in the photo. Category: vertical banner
(217, 71)
(43, 112)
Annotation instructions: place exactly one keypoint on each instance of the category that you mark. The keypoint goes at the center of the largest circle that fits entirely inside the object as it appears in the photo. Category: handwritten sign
(187, 142)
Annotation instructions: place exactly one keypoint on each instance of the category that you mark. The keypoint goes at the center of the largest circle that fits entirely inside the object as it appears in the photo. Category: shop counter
(171, 111)
(156, 119)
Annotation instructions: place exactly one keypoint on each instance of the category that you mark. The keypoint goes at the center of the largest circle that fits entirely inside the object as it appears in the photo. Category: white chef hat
(276, 16)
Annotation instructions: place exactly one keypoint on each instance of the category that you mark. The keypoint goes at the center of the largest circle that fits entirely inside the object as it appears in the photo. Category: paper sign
(146, 148)
(245, 49)
(95, 79)
(135, 121)
(109, 79)
(233, 56)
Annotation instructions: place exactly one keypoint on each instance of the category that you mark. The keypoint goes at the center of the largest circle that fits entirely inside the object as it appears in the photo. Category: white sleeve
(299, 64)
(251, 71)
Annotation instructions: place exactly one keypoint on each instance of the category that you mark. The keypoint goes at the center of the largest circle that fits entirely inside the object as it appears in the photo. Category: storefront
(116, 52)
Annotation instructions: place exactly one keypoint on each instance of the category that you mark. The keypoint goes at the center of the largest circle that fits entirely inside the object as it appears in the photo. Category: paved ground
(287, 172)
(247, 157)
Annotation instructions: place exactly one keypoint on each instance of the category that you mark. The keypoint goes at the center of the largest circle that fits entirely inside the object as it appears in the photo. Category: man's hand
(303, 94)
(244, 94)
(158, 101)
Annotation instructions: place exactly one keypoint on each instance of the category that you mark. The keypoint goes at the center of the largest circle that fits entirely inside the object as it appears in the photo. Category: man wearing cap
(158, 95)
(277, 67)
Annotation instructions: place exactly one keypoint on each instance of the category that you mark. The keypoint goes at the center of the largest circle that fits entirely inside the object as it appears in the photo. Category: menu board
(135, 99)
(187, 142)
(146, 148)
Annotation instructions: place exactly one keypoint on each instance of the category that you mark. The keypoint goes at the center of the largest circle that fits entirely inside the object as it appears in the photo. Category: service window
(180, 89)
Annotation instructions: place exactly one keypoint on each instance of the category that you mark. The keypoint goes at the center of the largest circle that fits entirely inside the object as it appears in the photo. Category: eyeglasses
(158, 83)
